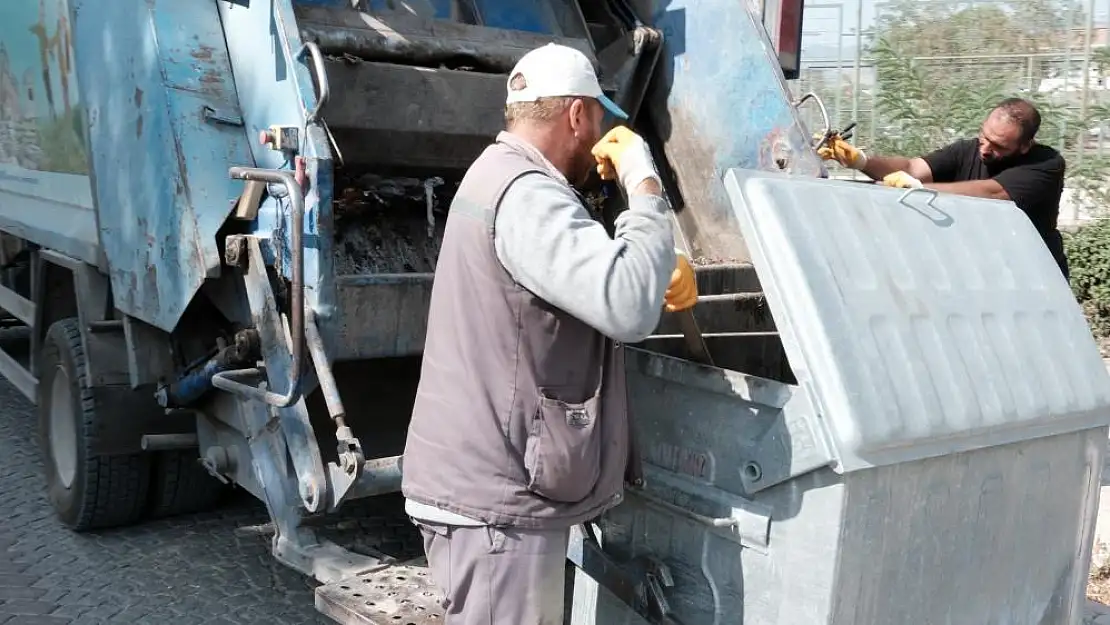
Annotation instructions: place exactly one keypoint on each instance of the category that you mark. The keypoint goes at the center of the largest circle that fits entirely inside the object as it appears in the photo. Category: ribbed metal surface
(920, 326)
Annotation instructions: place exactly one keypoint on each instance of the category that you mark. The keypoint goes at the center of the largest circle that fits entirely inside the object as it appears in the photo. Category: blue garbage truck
(219, 224)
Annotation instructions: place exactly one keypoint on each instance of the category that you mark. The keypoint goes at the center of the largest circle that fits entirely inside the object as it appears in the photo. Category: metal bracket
(641, 584)
(739, 519)
(342, 475)
(794, 445)
(281, 138)
(215, 116)
(231, 381)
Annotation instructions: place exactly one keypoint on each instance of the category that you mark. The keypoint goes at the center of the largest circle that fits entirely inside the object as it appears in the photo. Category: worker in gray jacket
(520, 428)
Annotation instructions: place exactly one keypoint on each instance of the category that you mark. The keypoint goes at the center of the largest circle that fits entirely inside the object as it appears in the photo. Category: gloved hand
(683, 290)
(845, 153)
(901, 180)
(623, 154)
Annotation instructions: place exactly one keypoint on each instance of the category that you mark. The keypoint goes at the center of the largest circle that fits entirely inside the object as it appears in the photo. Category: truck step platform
(400, 594)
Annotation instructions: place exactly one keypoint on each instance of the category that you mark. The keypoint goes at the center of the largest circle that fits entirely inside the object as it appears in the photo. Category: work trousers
(497, 576)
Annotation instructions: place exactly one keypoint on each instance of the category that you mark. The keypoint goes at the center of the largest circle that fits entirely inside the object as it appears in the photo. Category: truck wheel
(181, 486)
(87, 491)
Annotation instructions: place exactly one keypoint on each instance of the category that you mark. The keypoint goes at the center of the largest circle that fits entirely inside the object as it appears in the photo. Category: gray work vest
(521, 414)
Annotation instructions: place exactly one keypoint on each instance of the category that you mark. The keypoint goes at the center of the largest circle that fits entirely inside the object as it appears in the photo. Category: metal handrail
(321, 78)
(821, 105)
(230, 380)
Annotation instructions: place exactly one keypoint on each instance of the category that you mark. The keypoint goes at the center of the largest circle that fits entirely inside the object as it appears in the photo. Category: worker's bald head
(1009, 130)
(1023, 113)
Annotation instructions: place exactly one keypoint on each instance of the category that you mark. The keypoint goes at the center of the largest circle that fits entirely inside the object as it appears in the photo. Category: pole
(859, 52)
(839, 60)
(1067, 73)
(1083, 98)
(839, 6)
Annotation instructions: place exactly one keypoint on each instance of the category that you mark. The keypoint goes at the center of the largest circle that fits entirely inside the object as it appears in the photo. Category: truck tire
(180, 485)
(87, 491)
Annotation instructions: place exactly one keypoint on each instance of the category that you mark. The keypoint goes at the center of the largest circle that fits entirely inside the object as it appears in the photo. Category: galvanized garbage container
(938, 460)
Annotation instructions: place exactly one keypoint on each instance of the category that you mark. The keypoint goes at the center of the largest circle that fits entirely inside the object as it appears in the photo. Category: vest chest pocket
(563, 452)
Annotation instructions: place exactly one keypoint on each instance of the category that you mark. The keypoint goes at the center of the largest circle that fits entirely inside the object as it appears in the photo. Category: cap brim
(612, 107)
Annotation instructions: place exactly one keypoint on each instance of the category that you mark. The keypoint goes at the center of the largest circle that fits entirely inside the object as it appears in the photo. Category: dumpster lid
(918, 324)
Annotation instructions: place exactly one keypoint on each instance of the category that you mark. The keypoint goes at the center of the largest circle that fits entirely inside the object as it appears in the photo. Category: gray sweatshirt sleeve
(551, 246)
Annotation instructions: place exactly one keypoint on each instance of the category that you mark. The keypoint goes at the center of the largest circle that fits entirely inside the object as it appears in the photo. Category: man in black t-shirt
(1003, 163)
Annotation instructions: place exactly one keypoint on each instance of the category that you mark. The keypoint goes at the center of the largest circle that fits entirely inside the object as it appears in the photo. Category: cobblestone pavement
(212, 568)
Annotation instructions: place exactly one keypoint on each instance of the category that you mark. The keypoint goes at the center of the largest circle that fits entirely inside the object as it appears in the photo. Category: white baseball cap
(552, 71)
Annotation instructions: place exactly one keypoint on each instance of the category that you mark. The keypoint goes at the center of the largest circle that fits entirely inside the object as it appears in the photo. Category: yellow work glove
(682, 293)
(839, 150)
(623, 155)
(901, 180)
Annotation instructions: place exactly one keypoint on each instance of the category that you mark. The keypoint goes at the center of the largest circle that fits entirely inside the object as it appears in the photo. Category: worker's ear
(579, 116)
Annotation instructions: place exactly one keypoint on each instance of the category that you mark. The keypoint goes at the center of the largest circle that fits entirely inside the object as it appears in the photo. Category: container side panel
(999, 535)
(699, 428)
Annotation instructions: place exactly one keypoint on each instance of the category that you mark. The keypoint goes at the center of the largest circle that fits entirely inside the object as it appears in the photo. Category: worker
(520, 428)
(1004, 163)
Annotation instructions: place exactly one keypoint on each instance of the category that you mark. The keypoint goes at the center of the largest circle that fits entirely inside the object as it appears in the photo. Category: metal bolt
(217, 458)
(753, 471)
(235, 250)
(310, 495)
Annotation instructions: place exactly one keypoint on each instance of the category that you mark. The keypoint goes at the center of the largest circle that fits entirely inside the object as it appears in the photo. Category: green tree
(944, 28)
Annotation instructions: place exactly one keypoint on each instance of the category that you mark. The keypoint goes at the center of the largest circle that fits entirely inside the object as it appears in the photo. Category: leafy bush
(1088, 252)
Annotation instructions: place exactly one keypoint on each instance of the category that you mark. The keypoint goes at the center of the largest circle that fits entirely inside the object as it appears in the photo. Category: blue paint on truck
(148, 72)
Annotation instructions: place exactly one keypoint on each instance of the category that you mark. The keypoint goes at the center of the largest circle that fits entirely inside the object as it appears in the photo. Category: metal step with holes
(400, 594)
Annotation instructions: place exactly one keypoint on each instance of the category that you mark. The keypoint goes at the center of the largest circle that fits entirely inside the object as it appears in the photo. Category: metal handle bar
(651, 498)
(931, 192)
(230, 380)
(321, 78)
(821, 105)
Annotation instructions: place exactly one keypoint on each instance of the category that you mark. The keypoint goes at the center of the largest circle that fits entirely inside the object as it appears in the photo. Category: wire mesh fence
(915, 74)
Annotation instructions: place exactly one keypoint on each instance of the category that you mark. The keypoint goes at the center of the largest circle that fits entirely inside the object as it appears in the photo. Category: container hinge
(795, 444)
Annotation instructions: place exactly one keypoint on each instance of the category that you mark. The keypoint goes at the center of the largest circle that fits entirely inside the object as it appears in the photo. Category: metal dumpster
(938, 460)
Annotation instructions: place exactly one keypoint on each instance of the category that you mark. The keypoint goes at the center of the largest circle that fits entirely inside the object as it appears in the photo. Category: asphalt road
(212, 568)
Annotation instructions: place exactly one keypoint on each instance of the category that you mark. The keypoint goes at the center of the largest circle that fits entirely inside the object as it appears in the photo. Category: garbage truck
(219, 225)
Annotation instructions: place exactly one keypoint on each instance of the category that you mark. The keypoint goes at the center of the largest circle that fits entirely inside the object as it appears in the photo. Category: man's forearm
(878, 167)
(648, 187)
(989, 189)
